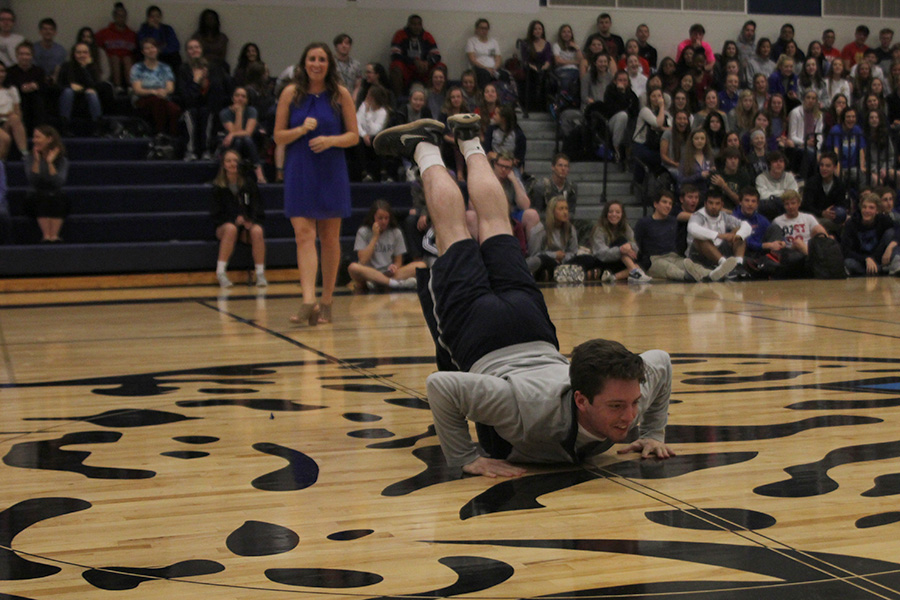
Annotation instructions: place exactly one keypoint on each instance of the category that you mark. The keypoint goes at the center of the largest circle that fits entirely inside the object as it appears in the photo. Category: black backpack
(826, 261)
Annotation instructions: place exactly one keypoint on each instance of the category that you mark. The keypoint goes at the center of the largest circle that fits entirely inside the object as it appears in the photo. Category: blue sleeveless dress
(316, 186)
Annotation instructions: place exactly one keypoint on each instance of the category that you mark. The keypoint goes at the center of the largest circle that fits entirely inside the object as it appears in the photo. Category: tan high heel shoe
(308, 314)
(325, 314)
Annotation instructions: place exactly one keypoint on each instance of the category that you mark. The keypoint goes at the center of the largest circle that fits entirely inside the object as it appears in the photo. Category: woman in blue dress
(316, 120)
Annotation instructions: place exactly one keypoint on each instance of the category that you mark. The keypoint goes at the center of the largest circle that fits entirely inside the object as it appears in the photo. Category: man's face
(776, 168)
(7, 22)
(860, 37)
(415, 26)
(826, 169)
(24, 58)
(343, 49)
(611, 412)
(689, 202)
(642, 34)
(828, 39)
(663, 207)
(561, 168)
(48, 32)
(749, 31)
(787, 33)
(887, 203)
(502, 168)
(713, 206)
(868, 210)
(732, 163)
(749, 204)
(792, 207)
(886, 38)
(604, 25)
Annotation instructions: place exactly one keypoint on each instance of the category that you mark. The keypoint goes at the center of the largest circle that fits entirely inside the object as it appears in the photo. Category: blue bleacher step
(106, 149)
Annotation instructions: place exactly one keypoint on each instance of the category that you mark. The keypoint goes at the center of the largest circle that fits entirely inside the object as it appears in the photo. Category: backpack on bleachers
(121, 128)
(507, 92)
(826, 261)
(166, 147)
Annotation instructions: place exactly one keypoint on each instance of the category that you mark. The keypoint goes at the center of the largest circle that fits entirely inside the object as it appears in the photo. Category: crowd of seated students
(760, 114)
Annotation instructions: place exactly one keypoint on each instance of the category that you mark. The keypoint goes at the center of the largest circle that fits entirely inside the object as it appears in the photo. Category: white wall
(282, 31)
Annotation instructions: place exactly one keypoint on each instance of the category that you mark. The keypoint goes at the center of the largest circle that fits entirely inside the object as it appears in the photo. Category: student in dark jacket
(79, 79)
(825, 196)
(202, 89)
(237, 213)
(869, 239)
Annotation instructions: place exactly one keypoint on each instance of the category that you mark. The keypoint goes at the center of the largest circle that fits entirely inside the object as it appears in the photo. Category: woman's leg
(44, 224)
(66, 102)
(227, 234)
(407, 271)
(330, 242)
(55, 224)
(94, 106)
(172, 114)
(361, 274)
(5, 142)
(17, 128)
(258, 244)
(307, 258)
(127, 63)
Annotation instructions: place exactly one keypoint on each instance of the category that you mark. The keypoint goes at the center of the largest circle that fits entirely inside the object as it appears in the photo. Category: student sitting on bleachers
(614, 248)
(31, 82)
(79, 80)
(470, 90)
(166, 40)
(715, 238)
(869, 239)
(202, 91)
(825, 195)
(10, 119)
(237, 212)
(773, 183)
(119, 42)
(373, 116)
(248, 55)
(595, 81)
(553, 242)
(153, 85)
(239, 121)
(380, 248)
(506, 136)
(483, 53)
(46, 169)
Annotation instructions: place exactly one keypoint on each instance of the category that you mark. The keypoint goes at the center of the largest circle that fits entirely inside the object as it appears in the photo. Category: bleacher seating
(132, 215)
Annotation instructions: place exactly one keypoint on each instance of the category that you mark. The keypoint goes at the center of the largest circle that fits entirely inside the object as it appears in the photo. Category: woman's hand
(52, 155)
(320, 144)
(376, 230)
(310, 124)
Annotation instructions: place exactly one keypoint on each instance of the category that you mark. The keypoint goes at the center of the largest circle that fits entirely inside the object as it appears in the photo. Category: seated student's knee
(530, 218)
(227, 230)
(257, 232)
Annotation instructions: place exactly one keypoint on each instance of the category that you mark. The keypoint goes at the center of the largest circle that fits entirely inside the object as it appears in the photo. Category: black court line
(739, 530)
(828, 327)
(308, 348)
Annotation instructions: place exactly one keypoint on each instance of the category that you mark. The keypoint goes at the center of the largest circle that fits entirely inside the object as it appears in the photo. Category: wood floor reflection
(170, 441)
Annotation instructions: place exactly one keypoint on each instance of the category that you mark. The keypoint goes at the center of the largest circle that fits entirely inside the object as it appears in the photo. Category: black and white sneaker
(465, 126)
(402, 140)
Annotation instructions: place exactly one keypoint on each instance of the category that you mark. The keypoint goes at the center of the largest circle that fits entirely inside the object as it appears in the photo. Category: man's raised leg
(485, 193)
(420, 141)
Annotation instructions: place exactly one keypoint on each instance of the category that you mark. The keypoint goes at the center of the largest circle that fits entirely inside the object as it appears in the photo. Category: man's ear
(581, 400)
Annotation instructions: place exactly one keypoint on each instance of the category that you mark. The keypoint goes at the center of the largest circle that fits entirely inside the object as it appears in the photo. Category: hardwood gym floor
(169, 442)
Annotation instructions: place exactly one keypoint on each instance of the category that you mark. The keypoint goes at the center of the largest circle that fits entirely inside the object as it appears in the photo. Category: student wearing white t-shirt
(798, 227)
(566, 58)
(379, 247)
(483, 53)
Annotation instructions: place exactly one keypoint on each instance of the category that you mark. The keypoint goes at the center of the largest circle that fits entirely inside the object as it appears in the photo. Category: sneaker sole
(724, 269)
(468, 122)
(384, 142)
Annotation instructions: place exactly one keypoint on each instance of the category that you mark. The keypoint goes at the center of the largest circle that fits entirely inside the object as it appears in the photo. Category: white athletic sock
(740, 260)
(221, 265)
(470, 147)
(260, 269)
(427, 155)
(393, 283)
